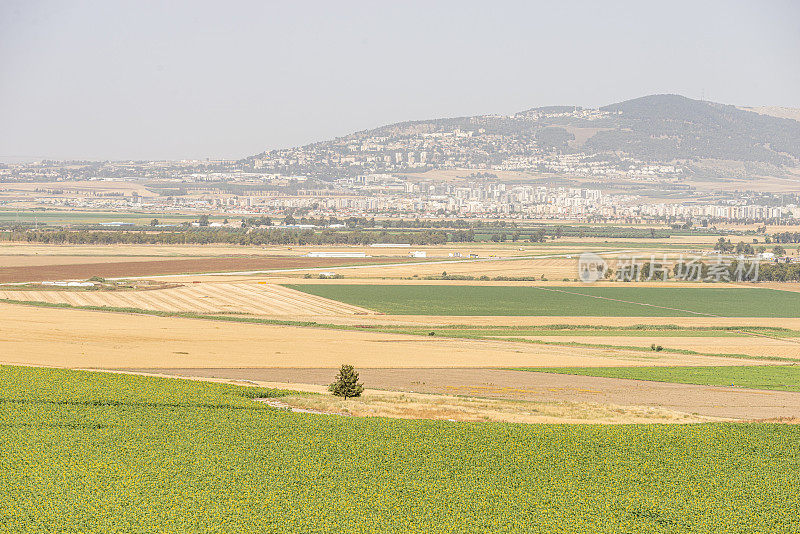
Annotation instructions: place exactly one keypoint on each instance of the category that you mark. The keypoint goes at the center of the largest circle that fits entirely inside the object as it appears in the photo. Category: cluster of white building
(712, 211)
(377, 195)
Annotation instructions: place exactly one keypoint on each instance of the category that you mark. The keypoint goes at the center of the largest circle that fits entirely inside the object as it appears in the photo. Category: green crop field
(84, 452)
(563, 301)
(775, 377)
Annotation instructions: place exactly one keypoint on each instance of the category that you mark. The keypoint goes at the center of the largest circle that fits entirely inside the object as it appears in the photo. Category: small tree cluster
(346, 383)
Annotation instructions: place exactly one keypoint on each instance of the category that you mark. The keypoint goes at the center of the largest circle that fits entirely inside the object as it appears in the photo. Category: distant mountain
(657, 129)
(670, 127)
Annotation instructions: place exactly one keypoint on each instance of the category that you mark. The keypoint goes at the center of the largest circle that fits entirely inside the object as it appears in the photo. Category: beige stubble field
(80, 338)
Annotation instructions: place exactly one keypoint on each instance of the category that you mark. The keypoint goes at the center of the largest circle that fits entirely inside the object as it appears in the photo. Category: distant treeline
(786, 237)
(224, 236)
(255, 235)
(738, 271)
(349, 231)
(482, 227)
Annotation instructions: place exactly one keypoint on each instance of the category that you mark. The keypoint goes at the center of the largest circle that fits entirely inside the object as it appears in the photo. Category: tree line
(205, 236)
(697, 271)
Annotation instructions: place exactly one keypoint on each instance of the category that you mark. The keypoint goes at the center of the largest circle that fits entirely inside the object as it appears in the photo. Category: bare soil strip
(123, 269)
(710, 401)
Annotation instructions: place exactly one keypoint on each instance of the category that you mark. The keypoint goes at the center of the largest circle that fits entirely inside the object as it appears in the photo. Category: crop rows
(107, 453)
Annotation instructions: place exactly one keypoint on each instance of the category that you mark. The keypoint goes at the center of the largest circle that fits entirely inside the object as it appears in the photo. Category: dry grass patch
(444, 407)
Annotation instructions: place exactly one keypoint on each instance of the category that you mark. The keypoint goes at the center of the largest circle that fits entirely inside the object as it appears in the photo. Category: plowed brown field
(121, 269)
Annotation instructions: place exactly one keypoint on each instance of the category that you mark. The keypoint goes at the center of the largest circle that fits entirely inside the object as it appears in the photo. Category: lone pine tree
(346, 384)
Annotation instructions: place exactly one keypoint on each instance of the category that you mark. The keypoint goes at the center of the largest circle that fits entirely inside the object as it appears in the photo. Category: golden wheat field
(81, 338)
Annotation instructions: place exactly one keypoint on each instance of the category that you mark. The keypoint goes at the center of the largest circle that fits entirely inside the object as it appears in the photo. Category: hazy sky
(193, 79)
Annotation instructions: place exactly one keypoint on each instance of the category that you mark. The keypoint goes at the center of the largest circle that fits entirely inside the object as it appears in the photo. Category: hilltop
(657, 134)
(670, 127)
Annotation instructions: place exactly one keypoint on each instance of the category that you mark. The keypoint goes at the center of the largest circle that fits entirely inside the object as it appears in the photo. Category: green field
(562, 301)
(774, 377)
(86, 452)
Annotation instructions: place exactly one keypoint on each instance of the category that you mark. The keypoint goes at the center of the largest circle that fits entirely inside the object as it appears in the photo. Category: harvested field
(708, 401)
(79, 338)
(14, 248)
(244, 298)
(494, 257)
(38, 261)
(551, 268)
(137, 268)
(751, 346)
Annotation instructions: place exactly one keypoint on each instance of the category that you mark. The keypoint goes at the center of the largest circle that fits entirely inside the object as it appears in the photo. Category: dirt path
(709, 401)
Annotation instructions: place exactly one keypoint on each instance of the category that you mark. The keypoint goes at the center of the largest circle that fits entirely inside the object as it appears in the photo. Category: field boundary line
(626, 301)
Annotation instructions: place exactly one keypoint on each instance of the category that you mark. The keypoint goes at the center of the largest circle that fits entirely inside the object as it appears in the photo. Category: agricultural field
(555, 261)
(647, 331)
(529, 267)
(163, 266)
(757, 346)
(767, 343)
(231, 298)
(562, 301)
(776, 378)
(76, 338)
(100, 453)
(451, 337)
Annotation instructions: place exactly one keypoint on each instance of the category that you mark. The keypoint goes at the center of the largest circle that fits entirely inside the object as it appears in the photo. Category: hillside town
(542, 163)
(521, 142)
